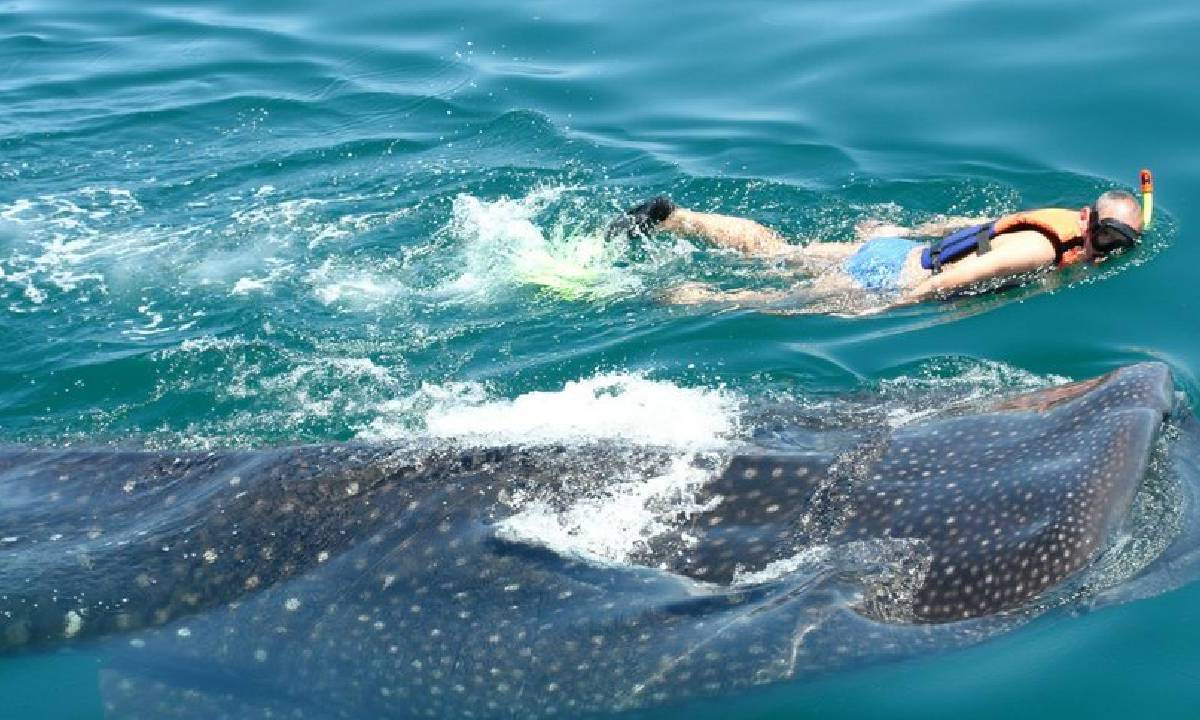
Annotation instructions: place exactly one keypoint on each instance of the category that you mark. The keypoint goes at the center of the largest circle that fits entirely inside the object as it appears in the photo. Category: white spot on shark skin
(291, 604)
(184, 632)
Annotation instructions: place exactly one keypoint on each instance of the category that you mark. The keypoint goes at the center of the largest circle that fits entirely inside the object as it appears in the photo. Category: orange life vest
(1063, 228)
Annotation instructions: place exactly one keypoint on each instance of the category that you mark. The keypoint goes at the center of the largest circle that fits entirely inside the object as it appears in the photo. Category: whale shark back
(346, 580)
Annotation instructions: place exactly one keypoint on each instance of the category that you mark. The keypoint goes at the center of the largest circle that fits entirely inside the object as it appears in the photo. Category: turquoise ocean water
(251, 224)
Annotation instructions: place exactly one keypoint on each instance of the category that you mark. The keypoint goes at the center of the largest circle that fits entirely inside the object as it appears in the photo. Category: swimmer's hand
(874, 310)
(912, 296)
(690, 293)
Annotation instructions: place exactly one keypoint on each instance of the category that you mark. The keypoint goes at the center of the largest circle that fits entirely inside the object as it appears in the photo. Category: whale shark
(351, 580)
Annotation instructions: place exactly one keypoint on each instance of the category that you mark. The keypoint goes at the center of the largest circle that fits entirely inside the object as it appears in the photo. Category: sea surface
(257, 224)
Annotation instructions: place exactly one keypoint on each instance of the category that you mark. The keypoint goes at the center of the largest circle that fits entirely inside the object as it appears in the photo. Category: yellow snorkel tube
(1147, 199)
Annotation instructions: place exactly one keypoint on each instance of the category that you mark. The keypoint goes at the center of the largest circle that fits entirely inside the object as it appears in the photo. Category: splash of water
(504, 247)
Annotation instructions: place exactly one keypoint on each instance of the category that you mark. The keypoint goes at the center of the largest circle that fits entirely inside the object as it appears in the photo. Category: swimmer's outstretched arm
(1008, 261)
(695, 293)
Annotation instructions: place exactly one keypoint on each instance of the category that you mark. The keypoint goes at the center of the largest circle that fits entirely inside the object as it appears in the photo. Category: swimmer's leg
(696, 293)
(758, 240)
(724, 231)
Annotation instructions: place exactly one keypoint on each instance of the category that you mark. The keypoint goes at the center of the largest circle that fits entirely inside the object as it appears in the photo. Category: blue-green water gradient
(240, 224)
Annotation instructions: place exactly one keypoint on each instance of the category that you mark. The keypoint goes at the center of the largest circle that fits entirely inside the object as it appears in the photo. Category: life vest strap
(976, 238)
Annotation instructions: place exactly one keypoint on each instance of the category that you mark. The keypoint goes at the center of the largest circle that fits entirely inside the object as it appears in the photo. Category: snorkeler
(972, 254)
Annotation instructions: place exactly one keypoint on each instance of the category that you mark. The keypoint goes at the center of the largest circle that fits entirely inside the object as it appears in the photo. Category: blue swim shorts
(877, 264)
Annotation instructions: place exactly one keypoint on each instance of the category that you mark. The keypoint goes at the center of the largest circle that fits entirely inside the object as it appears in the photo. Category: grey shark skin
(1006, 503)
(351, 581)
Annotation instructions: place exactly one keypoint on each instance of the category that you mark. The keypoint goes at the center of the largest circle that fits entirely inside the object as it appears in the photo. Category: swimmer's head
(1121, 206)
(1115, 223)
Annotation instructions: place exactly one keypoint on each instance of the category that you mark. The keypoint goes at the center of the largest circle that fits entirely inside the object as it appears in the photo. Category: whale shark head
(1005, 501)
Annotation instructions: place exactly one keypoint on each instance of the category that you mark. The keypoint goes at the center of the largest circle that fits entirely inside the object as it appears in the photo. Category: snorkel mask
(1109, 235)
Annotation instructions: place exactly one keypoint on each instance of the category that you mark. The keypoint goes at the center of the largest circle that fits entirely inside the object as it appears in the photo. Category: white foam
(63, 245)
(504, 248)
(876, 551)
(228, 265)
(333, 283)
(206, 343)
(611, 523)
(247, 285)
(303, 218)
(611, 526)
(609, 406)
(967, 381)
(320, 388)
(810, 557)
(299, 392)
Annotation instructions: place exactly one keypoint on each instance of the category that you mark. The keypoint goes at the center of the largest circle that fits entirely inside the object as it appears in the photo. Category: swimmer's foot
(640, 220)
